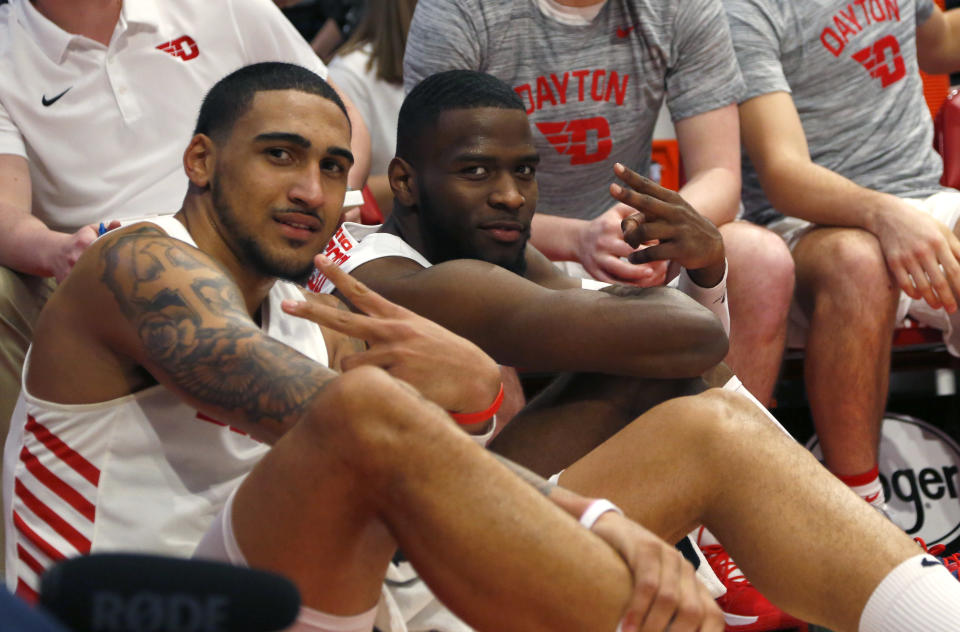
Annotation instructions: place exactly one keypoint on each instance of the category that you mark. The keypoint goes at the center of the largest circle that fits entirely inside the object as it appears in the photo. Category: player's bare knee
(761, 249)
(372, 419)
(718, 417)
(847, 270)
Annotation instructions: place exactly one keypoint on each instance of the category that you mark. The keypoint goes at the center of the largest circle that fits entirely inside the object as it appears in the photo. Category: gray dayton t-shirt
(851, 67)
(592, 91)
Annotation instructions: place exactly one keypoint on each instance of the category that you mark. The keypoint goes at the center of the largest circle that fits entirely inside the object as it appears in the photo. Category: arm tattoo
(625, 291)
(539, 483)
(192, 323)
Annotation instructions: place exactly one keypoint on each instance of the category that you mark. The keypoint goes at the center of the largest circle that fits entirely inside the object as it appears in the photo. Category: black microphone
(120, 592)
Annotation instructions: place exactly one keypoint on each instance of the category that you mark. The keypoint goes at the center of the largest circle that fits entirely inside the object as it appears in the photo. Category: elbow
(712, 344)
(704, 346)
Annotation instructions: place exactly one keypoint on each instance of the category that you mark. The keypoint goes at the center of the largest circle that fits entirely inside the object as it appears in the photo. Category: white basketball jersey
(144, 472)
(356, 244)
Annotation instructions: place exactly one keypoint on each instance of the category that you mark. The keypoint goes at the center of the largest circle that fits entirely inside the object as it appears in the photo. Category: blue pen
(102, 229)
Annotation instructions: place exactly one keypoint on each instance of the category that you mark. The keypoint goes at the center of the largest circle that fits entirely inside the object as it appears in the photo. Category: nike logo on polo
(624, 32)
(926, 561)
(48, 102)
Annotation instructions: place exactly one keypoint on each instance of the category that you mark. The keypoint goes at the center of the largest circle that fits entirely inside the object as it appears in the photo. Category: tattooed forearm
(192, 323)
(539, 483)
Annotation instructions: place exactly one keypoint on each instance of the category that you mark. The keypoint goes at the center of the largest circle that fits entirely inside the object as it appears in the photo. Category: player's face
(279, 181)
(476, 186)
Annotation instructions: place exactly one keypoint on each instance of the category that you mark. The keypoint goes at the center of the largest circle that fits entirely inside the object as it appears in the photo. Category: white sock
(867, 486)
(919, 594)
(310, 620)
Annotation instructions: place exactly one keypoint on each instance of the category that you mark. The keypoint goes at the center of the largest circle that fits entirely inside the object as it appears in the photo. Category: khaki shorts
(943, 206)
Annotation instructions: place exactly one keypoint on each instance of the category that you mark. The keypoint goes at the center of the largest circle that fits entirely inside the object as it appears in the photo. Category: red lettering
(597, 82)
(572, 138)
(579, 130)
(876, 11)
(580, 75)
(336, 255)
(187, 48)
(618, 88)
(851, 17)
(544, 93)
(832, 41)
(561, 87)
(343, 240)
(183, 47)
(316, 281)
(843, 28)
(874, 59)
(893, 8)
(863, 9)
(525, 88)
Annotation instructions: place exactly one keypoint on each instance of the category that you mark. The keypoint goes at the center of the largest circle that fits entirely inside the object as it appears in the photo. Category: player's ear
(400, 173)
(198, 160)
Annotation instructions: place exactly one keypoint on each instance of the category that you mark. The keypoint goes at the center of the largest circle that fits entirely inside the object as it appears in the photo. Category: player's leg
(808, 543)
(377, 466)
(845, 290)
(576, 413)
(759, 290)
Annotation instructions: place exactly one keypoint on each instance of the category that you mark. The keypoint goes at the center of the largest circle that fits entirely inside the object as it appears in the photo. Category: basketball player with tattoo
(171, 405)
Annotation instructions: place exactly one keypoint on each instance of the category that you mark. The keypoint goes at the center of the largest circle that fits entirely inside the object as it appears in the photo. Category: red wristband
(466, 419)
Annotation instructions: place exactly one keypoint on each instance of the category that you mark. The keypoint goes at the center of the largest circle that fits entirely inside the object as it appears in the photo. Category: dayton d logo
(183, 47)
(918, 470)
(584, 140)
(883, 60)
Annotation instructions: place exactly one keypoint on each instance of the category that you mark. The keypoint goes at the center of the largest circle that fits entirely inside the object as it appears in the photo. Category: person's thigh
(845, 265)
(21, 299)
(578, 412)
(220, 544)
(305, 513)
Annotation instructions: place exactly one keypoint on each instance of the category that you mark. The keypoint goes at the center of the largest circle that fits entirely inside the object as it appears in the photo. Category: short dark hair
(230, 97)
(449, 90)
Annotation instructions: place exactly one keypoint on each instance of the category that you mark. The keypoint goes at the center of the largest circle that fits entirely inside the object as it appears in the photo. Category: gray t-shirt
(592, 91)
(852, 70)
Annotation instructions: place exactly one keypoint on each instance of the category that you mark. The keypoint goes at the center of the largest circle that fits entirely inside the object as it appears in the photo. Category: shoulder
(84, 323)
(448, 15)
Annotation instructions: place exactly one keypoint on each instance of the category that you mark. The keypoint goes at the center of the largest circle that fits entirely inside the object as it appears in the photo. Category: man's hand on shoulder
(444, 367)
(678, 232)
(666, 591)
(921, 252)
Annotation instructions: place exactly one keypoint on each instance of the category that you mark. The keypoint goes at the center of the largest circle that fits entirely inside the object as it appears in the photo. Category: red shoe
(744, 608)
(951, 562)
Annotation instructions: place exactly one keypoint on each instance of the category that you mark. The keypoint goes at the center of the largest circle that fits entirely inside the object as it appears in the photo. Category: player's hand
(666, 592)
(922, 254)
(444, 367)
(601, 247)
(68, 248)
(662, 216)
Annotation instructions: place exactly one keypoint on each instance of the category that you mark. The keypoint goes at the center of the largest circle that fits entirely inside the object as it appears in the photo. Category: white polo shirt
(104, 127)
